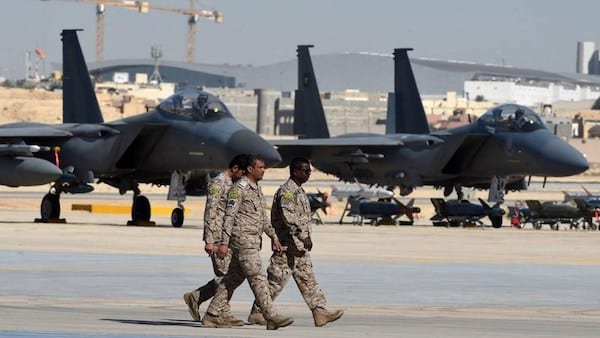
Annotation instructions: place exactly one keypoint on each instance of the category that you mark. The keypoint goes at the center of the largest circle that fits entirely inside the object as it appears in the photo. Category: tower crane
(193, 14)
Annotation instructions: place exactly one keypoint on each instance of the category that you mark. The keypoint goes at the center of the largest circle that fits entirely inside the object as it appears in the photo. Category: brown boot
(256, 318)
(210, 320)
(279, 321)
(192, 304)
(322, 316)
(233, 321)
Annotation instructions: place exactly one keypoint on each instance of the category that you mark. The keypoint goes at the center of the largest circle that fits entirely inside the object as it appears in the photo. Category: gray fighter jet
(188, 136)
(496, 152)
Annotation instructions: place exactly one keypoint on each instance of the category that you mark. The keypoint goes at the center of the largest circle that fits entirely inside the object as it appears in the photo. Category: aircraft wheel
(496, 221)
(177, 217)
(575, 225)
(140, 211)
(537, 225)
(50, 207)
(555, 226)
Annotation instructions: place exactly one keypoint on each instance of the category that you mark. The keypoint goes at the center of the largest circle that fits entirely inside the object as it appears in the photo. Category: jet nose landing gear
(50, 209)
(177, 217)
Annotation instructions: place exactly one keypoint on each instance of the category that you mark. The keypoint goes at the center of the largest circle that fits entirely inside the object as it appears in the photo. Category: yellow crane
(143, 7)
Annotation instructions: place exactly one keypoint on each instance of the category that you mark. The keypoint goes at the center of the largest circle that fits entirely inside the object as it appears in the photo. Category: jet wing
(12, 139)
(339, 142)
(464, 155)
(32, 131)
(336, 149)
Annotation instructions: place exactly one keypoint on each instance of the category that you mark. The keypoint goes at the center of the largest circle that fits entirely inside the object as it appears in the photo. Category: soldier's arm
(267, 227)
(298, 228)
(234, 200)
(211, 223)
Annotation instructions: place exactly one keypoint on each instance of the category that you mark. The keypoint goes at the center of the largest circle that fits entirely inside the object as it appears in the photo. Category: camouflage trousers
(208, 290)
(245, 264)
(298, 265)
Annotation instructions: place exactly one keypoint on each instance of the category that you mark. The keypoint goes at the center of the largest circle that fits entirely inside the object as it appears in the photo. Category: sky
(537, 34)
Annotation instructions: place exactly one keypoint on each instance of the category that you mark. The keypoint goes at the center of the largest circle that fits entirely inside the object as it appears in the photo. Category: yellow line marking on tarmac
(120, 209)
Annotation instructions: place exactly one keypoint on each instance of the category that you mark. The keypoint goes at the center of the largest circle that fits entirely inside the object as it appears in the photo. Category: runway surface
(95, 277)
(89, 295)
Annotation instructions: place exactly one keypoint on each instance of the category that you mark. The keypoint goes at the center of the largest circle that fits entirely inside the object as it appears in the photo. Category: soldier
(291, 218)
(214, 212)
(245, 221)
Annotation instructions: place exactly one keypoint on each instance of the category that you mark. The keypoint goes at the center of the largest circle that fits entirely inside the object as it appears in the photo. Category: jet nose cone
(564, 160)
(247, 142)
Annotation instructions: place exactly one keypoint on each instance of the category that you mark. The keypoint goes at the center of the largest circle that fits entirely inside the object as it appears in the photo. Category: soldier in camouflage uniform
(244, 223)
(291, 218)
(214, 212)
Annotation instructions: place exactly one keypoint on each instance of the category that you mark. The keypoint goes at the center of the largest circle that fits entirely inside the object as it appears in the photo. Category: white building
(530, 93)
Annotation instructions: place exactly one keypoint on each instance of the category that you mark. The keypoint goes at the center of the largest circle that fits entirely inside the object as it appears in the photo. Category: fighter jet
(496, 152)
(188, 136)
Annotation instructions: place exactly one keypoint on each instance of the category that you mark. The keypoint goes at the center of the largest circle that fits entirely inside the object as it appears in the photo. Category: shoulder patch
(213, 190)
(234, 194)
(288, 196)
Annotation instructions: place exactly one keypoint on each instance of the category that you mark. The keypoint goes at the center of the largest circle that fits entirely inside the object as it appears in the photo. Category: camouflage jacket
(245, 216)
(214, 211)
(290, 215)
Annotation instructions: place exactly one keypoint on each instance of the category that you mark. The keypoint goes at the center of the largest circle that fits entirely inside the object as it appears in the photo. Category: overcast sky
(538, 34)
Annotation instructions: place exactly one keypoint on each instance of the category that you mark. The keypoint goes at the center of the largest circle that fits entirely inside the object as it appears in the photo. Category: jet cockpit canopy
(511, 117)
(196, 105)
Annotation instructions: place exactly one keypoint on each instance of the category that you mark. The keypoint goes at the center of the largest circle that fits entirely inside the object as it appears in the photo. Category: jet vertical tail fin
(406, 113)
(309, 116)
(80, 104)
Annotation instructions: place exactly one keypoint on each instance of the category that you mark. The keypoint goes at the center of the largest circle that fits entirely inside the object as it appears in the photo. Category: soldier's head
(300, 170)
(237, 166)
(255, 170)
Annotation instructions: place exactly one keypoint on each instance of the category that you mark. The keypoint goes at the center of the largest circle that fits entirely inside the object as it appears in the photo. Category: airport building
(368, 72)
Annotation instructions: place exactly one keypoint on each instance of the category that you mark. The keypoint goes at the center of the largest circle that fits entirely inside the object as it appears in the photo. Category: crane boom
(144, 7)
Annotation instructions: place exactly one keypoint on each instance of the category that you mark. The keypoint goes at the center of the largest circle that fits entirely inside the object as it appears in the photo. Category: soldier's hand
(277, 246)
(308, 244)
(209, 248)
(222, 251)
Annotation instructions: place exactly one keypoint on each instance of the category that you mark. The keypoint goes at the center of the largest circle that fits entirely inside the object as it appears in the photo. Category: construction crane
(143, 7)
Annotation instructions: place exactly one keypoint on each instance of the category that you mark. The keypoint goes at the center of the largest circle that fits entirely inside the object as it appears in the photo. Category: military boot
(192, 304)
(256, 318)
(210, 320)
(233, 321)
(322, 316)
(279, 321)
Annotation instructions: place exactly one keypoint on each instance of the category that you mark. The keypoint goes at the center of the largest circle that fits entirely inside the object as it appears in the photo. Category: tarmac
(95, 277)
